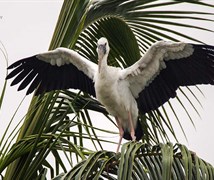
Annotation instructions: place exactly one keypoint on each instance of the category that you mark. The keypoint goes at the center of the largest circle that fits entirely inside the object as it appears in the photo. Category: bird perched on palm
(144, 86)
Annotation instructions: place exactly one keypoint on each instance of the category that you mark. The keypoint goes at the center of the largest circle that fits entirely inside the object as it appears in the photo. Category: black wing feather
(195, 69)
(14, 72)
(27, 80)
(34, 84)
(44, 77)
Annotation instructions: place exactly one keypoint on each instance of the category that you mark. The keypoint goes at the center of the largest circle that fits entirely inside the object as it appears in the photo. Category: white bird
(144, 86)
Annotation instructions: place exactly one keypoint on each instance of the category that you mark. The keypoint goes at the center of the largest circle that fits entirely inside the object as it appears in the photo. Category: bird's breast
(105, 87)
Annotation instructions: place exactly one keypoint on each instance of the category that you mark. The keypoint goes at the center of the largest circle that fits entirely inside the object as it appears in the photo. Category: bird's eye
(105, 44)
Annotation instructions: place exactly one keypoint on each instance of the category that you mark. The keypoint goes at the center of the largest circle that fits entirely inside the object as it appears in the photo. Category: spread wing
(155, 78)
(61, 68)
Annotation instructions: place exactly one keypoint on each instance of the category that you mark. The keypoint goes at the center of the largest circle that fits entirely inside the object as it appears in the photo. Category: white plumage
(145, 85)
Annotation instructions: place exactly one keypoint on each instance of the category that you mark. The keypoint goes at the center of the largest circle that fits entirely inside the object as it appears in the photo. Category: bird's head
(102, 47)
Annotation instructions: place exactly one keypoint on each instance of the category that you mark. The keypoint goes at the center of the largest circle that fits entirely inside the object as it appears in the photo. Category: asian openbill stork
(144, 86)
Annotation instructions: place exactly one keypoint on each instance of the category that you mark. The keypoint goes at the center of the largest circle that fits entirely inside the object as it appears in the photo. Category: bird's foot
(121, 132)
(133, 137)
(132, 130)
(132, 133)
(119, 143)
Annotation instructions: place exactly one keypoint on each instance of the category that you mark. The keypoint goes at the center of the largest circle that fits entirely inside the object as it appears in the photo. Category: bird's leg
(132, 131)
(120, 131)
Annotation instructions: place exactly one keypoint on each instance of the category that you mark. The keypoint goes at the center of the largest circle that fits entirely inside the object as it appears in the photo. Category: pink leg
(121, 133)
(132, 131)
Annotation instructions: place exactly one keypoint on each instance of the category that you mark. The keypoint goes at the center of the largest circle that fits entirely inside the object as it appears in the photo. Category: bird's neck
(102, 64)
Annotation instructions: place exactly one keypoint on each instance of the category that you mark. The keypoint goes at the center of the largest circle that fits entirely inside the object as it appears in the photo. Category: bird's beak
(101, 48)
(99, 64)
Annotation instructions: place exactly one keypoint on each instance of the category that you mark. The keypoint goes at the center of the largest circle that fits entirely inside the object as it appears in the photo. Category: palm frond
(4, 53)
(141, 161)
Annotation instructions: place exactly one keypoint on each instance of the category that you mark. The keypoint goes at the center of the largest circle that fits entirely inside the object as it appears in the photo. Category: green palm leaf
(140, 161)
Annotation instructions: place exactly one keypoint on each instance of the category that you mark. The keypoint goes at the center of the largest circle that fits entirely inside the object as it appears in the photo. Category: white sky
(26, 28)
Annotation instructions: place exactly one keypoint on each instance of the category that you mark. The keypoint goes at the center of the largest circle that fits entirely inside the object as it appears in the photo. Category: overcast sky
(26, 28)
